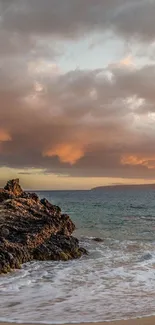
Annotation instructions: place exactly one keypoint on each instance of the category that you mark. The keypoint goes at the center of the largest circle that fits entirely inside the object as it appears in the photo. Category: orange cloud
(67, 153)
(4, 136)
(127, 61)
(133, 160)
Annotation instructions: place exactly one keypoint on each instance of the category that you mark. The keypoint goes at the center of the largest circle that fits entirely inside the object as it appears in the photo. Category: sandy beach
(138, 321)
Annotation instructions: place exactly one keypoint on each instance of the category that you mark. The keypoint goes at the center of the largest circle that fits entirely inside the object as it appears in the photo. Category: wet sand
(139, 321)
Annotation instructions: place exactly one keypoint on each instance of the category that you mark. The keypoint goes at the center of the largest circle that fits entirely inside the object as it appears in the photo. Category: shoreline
(135, 321)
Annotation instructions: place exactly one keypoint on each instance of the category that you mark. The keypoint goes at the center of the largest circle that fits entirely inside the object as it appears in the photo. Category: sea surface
(115, 281)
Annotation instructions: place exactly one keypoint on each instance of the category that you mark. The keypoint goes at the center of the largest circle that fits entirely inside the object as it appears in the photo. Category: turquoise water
(114, 213)
(115, 281)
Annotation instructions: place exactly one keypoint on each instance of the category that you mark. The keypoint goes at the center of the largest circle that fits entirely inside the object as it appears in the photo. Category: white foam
(112, 283)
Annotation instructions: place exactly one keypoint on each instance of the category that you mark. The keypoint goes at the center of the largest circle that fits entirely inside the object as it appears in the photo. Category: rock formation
(33, 229)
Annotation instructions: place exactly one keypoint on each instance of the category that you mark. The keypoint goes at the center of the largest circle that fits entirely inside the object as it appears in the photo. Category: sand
(139, 321)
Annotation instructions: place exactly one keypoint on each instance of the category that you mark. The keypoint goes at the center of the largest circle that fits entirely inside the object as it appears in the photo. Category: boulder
(33, 229)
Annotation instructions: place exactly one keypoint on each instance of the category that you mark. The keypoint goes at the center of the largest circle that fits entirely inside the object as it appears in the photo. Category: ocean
(115, 281)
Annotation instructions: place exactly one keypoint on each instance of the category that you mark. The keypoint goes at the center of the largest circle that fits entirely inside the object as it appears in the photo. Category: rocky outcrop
(13, 187)
(33, 229)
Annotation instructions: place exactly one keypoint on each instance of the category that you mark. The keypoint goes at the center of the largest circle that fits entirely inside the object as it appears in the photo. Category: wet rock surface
(33, 229)
(98, 240)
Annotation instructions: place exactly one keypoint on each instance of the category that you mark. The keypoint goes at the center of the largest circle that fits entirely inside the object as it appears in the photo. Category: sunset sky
(77, 92)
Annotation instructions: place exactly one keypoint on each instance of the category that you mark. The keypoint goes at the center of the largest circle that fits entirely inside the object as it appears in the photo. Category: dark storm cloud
(72, 18)
(36, 28)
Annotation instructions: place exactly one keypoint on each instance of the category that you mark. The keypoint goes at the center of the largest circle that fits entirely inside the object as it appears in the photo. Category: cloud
(4, 135)
(37, 30)
(74, 18)
(83, 123)
(67, 153)
(139, 160)
(127, 61)
(24, 173)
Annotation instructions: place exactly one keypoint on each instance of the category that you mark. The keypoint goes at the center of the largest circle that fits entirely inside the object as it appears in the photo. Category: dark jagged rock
(5, 195)
(33, 229)
(13, 187)
(99, 240)
(59, 247)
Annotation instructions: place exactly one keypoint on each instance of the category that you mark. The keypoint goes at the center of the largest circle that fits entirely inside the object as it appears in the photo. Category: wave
(106, 285)
(139, 207)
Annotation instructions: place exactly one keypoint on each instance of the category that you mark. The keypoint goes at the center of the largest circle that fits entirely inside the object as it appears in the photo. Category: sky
(77, 92)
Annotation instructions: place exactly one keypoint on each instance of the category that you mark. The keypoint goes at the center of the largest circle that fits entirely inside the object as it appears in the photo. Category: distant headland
(124, 186)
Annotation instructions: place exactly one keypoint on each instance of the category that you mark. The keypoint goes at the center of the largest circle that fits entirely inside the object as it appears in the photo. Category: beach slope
(138, 321)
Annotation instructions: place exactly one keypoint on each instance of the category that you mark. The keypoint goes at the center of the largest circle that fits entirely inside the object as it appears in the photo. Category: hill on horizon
(124, 186)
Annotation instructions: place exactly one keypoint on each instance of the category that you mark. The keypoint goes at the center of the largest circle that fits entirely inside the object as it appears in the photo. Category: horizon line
(94, 188)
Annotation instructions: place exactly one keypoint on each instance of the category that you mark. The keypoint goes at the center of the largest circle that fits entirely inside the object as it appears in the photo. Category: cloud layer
(72, 18)
(83, 123)
(36, 26)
